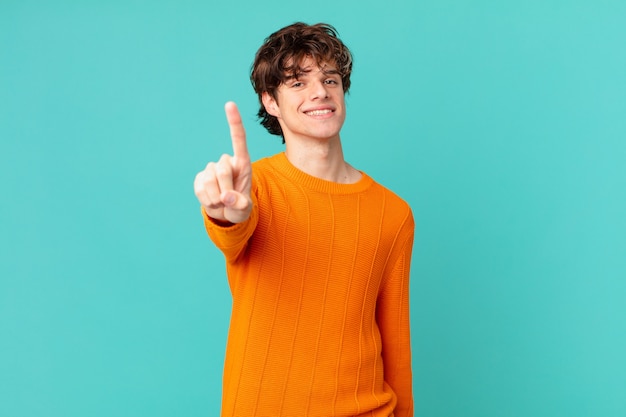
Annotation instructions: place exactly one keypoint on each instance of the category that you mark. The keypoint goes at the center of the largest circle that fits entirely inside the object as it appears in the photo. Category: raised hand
(223, 187)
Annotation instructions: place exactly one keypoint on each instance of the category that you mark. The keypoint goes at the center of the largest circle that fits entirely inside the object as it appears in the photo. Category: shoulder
(395, 208)
(265, 162)
(390, 196)
(264, 168)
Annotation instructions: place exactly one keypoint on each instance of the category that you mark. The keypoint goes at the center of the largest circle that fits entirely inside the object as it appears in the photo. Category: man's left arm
(393, 320)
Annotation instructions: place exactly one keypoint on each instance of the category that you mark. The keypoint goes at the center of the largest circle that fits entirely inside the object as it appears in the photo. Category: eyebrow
(331, 71)
(299, 71)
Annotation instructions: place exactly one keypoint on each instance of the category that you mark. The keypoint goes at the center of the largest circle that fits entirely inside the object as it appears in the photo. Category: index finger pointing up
(237, 132)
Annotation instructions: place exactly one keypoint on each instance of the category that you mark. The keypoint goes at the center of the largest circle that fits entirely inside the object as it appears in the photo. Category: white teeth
(318, 112)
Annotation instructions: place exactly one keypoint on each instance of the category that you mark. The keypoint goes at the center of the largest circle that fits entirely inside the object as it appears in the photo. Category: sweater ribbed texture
(319, 276)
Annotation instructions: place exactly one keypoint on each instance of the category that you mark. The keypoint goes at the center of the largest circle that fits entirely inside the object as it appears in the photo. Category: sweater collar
(286, 168)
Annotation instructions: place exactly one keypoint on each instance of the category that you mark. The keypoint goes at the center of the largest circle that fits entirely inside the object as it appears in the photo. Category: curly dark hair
(280, 56)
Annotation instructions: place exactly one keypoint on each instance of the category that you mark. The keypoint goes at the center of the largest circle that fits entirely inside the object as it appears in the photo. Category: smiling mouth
(318, 112)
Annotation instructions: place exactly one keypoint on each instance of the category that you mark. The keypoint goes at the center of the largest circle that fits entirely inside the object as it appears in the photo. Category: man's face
(311, 105)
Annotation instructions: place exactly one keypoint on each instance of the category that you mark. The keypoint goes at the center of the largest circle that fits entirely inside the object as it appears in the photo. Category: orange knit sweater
(319, 276)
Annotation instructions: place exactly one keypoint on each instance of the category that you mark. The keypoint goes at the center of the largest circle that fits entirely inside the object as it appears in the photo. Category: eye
(331, 81)
(296, 84)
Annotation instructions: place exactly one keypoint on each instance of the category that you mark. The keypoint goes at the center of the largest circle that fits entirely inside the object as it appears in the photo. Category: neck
(322, 159)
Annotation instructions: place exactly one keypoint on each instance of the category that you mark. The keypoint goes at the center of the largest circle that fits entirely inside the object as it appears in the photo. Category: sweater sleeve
(232, 240)
(392, 315)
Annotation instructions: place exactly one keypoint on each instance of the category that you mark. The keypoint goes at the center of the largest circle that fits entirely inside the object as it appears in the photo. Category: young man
(317, 253)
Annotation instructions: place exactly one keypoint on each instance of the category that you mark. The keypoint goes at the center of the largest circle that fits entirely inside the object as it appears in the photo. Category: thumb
(237, 207)
(234, 200)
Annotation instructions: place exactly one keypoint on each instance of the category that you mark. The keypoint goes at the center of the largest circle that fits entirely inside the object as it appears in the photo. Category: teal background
(503, 124)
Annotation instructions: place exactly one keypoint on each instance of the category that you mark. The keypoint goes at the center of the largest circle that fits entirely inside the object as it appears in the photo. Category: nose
(319, 90)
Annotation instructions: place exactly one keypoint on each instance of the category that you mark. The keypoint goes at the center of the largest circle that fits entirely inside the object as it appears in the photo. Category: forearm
(393, 318)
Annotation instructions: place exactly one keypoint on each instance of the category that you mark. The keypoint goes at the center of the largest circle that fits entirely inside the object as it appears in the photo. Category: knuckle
(223, 171)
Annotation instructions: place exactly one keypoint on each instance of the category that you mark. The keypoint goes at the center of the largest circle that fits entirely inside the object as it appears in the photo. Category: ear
(270, 104)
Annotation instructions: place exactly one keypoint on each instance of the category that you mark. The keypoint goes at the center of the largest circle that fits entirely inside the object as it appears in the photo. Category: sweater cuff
(229, 235)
